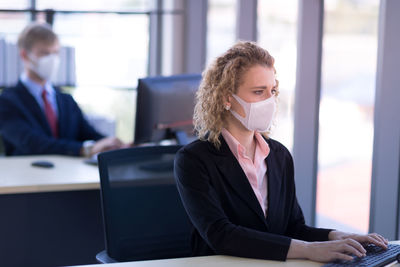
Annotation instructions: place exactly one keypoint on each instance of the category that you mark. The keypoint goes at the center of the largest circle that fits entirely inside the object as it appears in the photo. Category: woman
(237, 185)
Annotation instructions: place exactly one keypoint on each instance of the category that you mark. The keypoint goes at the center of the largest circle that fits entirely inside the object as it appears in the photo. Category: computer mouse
(43, 164)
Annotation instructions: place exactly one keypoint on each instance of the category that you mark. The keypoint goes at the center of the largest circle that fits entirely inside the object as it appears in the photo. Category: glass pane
(277, 32)
(105, 5)
(14, 4)
(346, 114)
(11, 24)
(172, 23)
(111, 50)
(221, 25)
(117, 105)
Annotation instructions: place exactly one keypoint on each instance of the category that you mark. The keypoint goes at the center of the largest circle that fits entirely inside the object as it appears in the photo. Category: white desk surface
(219, 261)
(68, 173)
(211, 261)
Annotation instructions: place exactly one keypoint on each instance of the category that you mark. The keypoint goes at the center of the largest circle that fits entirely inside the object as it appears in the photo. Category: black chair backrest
(2, 148)
(143, 214)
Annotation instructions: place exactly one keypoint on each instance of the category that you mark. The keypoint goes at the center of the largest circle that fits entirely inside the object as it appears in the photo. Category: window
(111, 55)
(118, 105)
(111, 50)
(277, 27)
(105, 5)
(11, 24)
(14, 4)
(346, 114)
(221, 26)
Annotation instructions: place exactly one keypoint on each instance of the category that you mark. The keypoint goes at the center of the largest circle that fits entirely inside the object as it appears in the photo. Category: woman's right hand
(335, 250)
(326, 251)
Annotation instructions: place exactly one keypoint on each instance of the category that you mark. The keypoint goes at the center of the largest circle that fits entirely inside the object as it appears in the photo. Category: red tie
(50, 114)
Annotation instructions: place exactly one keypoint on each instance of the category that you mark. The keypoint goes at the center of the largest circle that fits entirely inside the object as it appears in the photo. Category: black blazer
(224, 211)
(25, 130)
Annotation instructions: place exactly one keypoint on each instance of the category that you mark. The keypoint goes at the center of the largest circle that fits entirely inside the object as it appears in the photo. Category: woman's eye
(273, 91)
(260, 92)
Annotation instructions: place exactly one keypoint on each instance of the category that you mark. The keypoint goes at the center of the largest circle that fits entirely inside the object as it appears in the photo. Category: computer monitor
(164, 108)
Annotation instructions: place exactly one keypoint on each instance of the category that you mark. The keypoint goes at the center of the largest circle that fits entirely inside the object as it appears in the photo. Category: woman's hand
(372, 238)
(335, 250)
(326, 251)
(340, 247)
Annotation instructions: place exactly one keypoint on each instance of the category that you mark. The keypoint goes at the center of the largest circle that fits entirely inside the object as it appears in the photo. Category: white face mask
(259, 115)
(45, 67)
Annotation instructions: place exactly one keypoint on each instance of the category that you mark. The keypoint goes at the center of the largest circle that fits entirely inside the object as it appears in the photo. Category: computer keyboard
(376, 257)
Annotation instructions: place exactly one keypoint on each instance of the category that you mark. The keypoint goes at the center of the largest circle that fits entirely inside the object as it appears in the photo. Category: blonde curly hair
(221, 79)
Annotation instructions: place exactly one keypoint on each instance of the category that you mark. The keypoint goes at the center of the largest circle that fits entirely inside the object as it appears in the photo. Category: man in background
(35, 116)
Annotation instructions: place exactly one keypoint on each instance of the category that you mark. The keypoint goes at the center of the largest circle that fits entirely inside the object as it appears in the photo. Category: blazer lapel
(274, 184)
(235, 176)
(61, 113)
(33, 107)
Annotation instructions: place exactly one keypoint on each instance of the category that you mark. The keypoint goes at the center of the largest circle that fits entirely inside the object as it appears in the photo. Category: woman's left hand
(364, 240)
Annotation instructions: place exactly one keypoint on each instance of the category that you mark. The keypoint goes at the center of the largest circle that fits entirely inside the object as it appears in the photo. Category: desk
(69, 173)
(219, 261)
(211, 261)
(49, 217)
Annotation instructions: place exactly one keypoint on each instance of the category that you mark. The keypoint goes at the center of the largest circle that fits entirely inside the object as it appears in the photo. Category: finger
(117, 143)
(116, 139)
(128, 145)
(349, 249)
(376, 238)
(112, 147)
(384, 240)
(377, 241)
(380, 238)
(341, 256)
(360, 238)
(111, 144)
(371, 239)
(355, 244)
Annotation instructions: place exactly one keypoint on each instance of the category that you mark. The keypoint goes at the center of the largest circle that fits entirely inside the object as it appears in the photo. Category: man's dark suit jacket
(224, 210)
(25, 130)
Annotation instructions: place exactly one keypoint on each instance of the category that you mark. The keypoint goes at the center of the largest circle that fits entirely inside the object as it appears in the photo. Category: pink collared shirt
(256, 172)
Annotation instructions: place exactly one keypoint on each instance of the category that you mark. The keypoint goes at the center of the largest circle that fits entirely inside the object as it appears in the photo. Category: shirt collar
(233, 144)
(262, 145)
(36, 89)
(239, 150)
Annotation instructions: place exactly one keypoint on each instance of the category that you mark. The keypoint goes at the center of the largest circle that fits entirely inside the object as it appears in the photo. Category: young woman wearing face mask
(236, 184)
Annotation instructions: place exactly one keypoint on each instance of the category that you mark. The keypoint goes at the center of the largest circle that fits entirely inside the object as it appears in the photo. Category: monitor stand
(179, 136)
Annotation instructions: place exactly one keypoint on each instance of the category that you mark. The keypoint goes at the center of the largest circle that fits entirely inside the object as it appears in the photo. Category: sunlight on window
(346, 114)
(221, 27)
(277, 32)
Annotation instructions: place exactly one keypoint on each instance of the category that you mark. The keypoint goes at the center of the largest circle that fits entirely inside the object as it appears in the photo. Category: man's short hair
(36, 33)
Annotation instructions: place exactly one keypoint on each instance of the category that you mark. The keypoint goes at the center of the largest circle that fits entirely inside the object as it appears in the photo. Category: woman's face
(258, 83)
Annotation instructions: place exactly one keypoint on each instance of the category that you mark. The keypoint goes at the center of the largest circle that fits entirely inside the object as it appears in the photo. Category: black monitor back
(143, 214)
(165, 106)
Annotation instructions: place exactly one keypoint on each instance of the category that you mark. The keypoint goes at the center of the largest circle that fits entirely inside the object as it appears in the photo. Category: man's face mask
(45, 67)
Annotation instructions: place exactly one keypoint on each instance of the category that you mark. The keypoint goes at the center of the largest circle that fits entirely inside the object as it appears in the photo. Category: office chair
(2, 148)
(142, 211)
